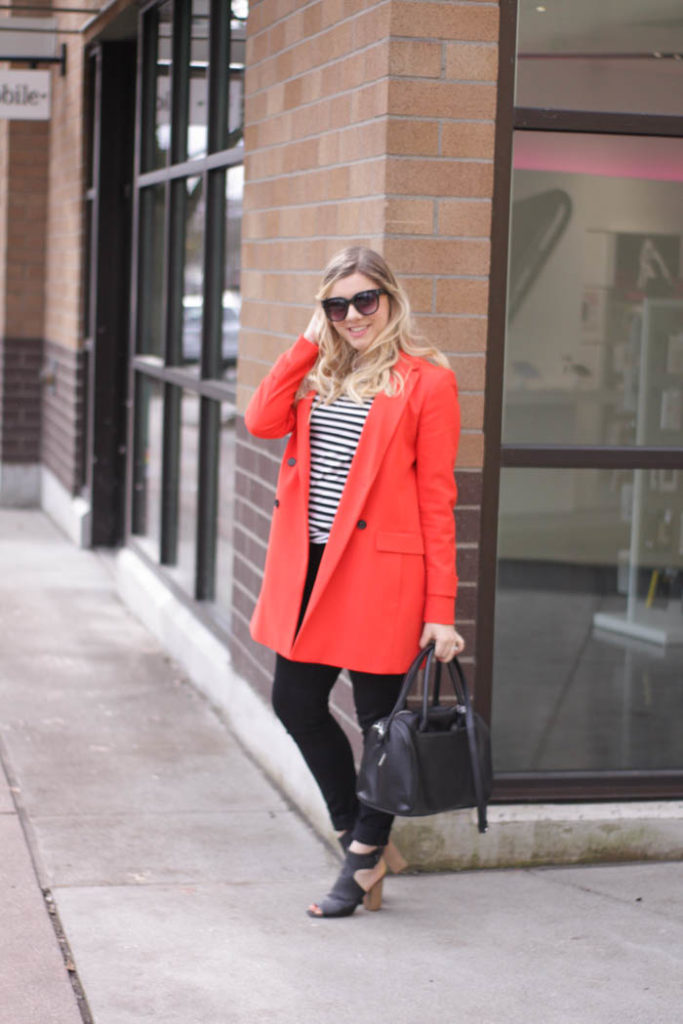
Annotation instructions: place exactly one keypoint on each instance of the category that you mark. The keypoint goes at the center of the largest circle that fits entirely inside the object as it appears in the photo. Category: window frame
(529, 786)
(175, 379)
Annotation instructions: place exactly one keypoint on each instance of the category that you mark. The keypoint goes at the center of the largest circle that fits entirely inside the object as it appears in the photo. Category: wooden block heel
(373, 897)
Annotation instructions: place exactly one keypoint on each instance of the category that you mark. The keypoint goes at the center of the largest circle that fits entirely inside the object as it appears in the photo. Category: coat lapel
(303, 448)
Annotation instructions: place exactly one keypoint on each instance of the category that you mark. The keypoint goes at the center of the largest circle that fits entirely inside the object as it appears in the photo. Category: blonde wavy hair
(340, 369)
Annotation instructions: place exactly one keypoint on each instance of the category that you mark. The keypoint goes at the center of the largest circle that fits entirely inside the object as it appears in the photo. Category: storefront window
(600, 56)
(589, 621)
(188, 288)
(588, 642)
(594, 352)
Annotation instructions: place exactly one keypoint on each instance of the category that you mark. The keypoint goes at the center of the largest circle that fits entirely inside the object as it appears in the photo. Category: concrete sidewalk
(180, 876)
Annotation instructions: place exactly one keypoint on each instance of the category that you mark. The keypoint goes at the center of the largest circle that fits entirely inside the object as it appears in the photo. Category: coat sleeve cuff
(439, 608)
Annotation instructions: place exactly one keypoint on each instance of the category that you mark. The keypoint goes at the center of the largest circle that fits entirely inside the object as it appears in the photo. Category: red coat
(389, 564)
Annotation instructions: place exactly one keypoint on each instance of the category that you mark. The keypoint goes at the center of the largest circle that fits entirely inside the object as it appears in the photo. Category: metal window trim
(594, 457)
(570, 787)
(188, 379)
(192, 168)
(592, 122)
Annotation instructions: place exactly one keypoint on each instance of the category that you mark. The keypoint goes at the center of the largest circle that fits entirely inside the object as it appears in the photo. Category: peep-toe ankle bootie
(360, 881)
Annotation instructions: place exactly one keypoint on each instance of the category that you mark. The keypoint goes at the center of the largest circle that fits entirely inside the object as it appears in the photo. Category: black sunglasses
(366, 303)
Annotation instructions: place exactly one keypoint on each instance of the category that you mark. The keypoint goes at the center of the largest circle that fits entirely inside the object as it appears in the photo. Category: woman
(360, 569)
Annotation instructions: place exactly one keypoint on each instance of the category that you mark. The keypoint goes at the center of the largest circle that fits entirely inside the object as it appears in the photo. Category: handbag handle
(457, 677)
(425, 655)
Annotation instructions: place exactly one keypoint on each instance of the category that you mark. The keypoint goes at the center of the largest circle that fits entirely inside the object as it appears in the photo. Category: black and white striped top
(335, 433)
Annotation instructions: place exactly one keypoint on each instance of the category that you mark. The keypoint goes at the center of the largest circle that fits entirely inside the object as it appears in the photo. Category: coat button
(277, 503)
(291, 462)
(361, 524)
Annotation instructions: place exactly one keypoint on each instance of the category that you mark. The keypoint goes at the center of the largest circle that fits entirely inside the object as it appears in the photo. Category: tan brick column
(22, 277)
(64, 408)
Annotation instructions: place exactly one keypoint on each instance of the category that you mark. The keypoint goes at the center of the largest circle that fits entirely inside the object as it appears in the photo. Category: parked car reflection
(193, 309)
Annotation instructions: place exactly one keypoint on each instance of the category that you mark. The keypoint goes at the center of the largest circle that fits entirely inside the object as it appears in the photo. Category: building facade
(520, 167)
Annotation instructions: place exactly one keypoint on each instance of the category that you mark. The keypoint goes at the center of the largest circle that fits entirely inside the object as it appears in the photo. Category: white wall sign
(25, 95)
(28, 37)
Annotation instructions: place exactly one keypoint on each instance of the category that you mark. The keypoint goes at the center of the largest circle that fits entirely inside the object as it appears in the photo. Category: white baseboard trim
(19, 485)
(518, 835)
(528, 835)
(71, 514)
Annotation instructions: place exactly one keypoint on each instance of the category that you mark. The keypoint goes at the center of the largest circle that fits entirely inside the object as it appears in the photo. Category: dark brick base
(64, 416)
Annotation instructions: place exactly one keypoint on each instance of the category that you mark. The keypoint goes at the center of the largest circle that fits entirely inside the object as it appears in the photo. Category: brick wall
(41, 270)
(66, 224)
(28, 145)
(24, 209)
(4, 190)
(63, 405)
(368, 122)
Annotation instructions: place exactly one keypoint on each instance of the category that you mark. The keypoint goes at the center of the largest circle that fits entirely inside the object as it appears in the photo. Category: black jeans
(301, 692)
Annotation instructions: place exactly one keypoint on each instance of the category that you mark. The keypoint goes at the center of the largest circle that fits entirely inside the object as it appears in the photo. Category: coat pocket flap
(407, 543)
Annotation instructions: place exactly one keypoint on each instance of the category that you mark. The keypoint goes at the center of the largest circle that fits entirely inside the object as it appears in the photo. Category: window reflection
(224, 522)
(193, 272)
(594, 350)
(151, 271)
(149, 419)
(184, 569)
(588, 56)
(162, 127)
(197, 130)
(232, 302)
(238, 37)
(589, 621)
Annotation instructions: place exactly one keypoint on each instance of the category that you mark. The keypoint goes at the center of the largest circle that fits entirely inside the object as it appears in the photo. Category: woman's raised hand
(446, 639)
(315, 326)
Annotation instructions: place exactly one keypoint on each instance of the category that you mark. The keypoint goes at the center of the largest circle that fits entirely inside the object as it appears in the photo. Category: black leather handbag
(434, 759)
